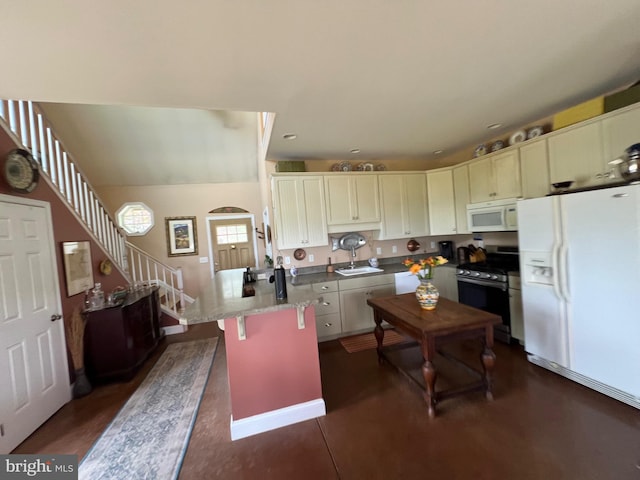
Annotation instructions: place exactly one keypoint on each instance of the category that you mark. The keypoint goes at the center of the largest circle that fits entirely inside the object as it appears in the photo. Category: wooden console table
(118, 339)
(449, 321)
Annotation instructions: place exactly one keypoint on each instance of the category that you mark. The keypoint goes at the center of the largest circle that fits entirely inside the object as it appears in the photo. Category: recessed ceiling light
(289, 136)
(438, 152)
(355, 150)
(493, 126)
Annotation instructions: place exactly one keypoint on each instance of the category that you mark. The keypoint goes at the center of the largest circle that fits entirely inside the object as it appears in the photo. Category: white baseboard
(277, 418)
(173, 329)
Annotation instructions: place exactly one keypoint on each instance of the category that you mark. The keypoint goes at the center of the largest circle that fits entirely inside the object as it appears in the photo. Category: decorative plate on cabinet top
(499, 145)
(480, 150)
(519, 136)
(345, 167)
(335, 167)
(535, 132)
(381, 167)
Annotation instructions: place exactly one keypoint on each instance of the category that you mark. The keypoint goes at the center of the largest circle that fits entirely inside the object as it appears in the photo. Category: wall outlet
(204, 259)
(287, 260)
(379, 251)
(394, 249)
(311, 258)
(433, 244)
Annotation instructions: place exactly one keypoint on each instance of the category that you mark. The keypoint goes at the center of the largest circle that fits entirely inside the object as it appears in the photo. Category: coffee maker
(446, 249)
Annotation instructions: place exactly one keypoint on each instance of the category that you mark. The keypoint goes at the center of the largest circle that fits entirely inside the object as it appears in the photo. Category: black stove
(485, 285)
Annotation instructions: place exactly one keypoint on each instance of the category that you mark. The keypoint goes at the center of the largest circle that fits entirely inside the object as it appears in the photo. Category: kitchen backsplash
(428, 245)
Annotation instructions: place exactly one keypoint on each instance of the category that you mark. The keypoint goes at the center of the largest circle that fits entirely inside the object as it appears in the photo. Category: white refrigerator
(580, 272)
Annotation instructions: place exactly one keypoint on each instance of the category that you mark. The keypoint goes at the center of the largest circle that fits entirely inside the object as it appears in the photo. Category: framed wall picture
(182, 237)
(77, 267)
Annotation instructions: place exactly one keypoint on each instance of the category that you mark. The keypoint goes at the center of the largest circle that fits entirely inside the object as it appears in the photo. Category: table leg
(488, 362)
(378, 331)
(429, 373)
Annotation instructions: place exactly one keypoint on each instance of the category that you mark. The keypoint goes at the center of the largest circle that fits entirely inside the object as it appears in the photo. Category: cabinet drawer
(369, 281)
(330, 304)
(328, 325)
(325, 287)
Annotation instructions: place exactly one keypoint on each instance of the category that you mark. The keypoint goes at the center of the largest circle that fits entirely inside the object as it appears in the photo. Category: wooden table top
(448, 317)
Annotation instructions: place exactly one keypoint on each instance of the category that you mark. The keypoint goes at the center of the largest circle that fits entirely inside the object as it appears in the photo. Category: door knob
(55, 317)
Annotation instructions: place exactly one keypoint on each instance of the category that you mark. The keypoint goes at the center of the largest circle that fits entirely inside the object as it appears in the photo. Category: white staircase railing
(27, 124)
(146, 269)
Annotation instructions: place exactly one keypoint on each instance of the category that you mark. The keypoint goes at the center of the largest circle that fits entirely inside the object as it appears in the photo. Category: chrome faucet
(353, 258)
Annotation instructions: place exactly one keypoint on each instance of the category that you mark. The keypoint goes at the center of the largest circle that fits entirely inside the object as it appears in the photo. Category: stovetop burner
(495, 268)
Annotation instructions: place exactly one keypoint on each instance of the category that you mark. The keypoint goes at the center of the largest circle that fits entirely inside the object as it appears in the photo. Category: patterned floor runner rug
(149, 436)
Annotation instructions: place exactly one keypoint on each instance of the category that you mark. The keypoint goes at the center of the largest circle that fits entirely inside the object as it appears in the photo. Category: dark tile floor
(540, 425)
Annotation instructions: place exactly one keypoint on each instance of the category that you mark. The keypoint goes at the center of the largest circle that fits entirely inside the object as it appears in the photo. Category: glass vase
(427, 295)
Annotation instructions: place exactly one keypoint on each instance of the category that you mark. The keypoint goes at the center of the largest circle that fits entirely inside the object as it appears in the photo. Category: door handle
(55, 317)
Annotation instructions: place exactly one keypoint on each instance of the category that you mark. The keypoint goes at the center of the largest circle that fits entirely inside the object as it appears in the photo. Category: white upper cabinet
(577, 155)
(404, 205)
(298, 208)
(442, 209)
(619, 132)
(495, 177)
(534, 166)
(352, 202)
(462, 197)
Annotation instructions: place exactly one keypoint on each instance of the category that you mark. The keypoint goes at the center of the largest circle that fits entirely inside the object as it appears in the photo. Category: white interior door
(34, 373)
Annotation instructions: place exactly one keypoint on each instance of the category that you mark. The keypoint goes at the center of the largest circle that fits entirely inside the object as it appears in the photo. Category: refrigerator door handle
(564, 285)
(556, 271)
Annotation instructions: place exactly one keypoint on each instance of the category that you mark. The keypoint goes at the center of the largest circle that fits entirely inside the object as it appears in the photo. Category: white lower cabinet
(515, 309)
(445, 280)
(356, 315)
(328, 324)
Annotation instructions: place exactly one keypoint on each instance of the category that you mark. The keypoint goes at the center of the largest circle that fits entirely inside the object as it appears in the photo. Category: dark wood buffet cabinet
(118, 339)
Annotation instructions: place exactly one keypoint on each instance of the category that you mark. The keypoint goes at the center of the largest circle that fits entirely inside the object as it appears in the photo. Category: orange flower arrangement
(424, 268)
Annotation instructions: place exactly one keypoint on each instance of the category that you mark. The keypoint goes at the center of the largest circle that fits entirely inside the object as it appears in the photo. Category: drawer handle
(324, 287)
(326, 304)
(328, 324)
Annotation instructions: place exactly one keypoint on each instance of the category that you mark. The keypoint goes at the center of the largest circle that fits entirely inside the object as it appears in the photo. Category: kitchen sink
(347, 272)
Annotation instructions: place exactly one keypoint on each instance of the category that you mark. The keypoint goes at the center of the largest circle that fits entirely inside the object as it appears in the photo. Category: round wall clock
(21, 171)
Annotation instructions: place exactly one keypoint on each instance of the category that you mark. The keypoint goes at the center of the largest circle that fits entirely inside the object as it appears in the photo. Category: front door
(232, 243)
(34, 373)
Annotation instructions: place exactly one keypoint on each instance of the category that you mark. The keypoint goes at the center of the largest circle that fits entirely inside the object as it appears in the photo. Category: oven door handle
(502, 286)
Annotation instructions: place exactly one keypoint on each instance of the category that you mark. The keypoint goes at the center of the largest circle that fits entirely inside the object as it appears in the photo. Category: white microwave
(495, 216)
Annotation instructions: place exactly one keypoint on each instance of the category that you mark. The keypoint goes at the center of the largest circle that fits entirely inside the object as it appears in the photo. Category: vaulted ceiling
(392, 79)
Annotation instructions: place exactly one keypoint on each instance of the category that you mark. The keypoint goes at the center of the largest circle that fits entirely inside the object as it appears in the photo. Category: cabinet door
(462, 197)
(620, 132)
(356, 314)
(444, 278)
(534, 166)
(506, 175)
(298, 204)
(365, 198)
(442, 211)
(315, 227)
(393, 203)
(517, 317)
(352, 199)
(338, 200)
(577, 155)
(416, 218)
(480, 181)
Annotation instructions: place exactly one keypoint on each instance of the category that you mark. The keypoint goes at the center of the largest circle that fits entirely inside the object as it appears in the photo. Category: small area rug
(366, 341)
(149, 436)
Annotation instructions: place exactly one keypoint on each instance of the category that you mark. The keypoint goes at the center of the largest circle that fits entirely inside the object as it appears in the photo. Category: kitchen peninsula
(272, 351)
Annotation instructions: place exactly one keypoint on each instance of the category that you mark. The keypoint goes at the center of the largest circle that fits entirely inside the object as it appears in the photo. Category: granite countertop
(222, 298)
